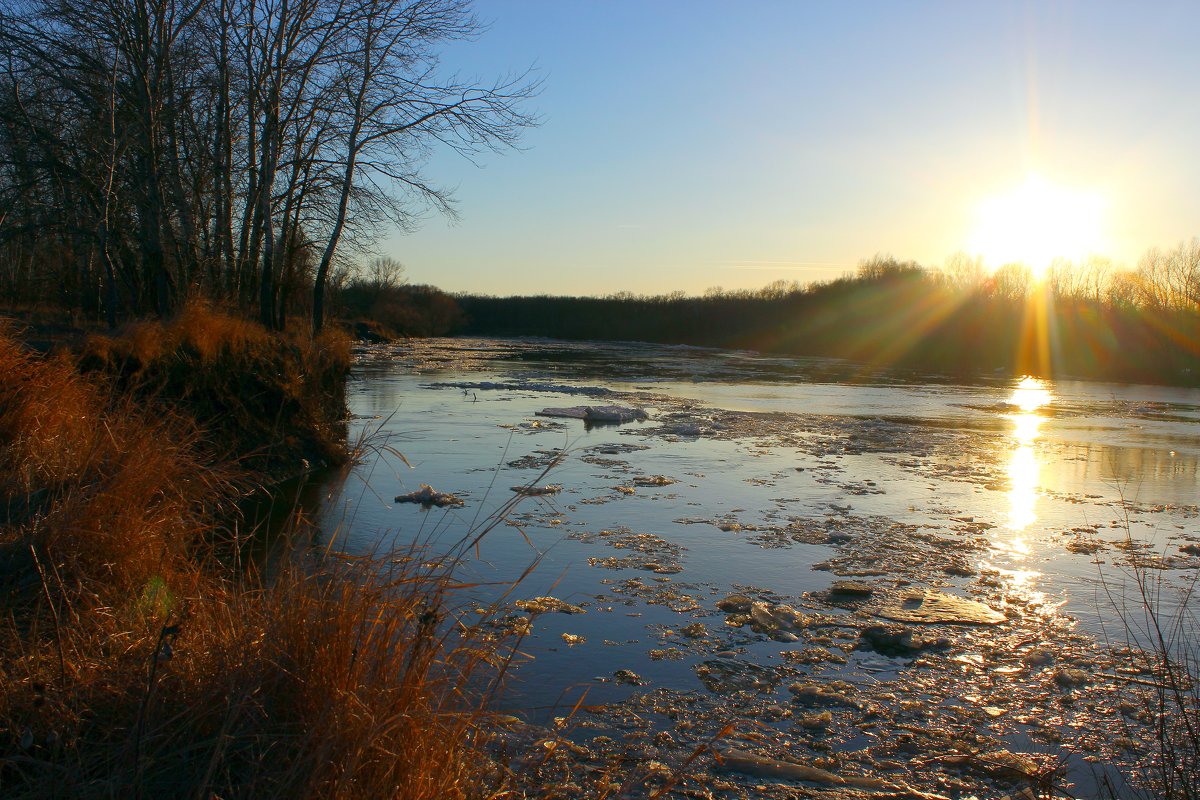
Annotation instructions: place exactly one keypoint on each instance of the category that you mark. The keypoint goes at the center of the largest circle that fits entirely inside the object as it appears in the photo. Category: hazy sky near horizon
(686, 145)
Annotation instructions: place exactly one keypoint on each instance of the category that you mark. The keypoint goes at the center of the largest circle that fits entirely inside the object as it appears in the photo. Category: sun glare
(1037, 223)
(1030, 395)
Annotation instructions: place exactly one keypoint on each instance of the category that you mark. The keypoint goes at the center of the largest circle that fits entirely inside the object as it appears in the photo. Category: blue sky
(686, 145)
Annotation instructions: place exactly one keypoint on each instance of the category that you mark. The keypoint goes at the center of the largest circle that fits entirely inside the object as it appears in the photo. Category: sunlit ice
(1038, 222)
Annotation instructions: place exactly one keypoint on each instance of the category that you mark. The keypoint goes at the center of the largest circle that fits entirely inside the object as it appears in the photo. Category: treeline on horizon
(1086, 320)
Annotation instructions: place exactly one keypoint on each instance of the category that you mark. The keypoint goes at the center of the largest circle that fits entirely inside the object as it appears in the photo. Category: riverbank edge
(143, 657)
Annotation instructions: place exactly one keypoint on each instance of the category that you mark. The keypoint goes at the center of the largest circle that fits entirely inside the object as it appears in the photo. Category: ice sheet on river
(613, 414)
(522, 386)
(932, 606)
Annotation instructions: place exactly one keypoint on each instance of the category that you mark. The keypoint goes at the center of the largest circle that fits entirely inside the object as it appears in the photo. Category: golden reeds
(269, 400)
(134, 663)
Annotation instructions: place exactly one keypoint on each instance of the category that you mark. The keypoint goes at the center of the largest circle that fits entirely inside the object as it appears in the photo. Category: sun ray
(926, 308)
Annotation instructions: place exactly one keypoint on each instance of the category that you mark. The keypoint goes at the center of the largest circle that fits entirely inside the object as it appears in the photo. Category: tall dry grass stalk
(1160, 649)
(133, 663)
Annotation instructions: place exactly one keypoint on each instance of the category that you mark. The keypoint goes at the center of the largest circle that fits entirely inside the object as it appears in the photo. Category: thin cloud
(796, 266)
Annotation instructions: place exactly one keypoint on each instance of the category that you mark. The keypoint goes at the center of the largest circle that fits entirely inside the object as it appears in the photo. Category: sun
(1037, 223)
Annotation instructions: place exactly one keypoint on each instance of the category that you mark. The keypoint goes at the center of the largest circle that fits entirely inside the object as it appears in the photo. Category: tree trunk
(334, 236)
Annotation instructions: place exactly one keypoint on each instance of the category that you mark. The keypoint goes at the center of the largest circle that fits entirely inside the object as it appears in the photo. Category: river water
(770, 479)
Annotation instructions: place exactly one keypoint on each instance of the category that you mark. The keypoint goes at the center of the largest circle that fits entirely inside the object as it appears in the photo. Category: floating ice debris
(897, 640)
(1069, 677)
(666, 654)
(544, 605)
(780, 622)
(735, 604)
(850, 590)
(818, 721)
(775, 617)
(653, 480)
(1038, 657)
(537, 491)
(762, 767)
(758, 766)
(573, 412)
(932, 606)
(813, 655)
(523, 386)
(618, 449)
(726, 676)
(428, 496)
(613, 414)
(997, 763)
(629, 677)
(828, 693)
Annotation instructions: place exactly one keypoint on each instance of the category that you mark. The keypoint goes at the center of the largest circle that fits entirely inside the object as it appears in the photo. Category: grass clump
(104, 490)
(134, 663)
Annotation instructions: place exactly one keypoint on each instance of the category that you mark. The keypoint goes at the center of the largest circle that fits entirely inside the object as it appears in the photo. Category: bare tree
(1171, 279)
(392, 106)
(1012, 281)
(881, 267)
(233, 147)
(965, 271)
(384, 272)
(1124, 289)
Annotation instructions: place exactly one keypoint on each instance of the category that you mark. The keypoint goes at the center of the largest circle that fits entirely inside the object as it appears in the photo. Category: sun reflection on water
(1030, 395)
(1024, 468)
(1027, 426)
(1024, 481)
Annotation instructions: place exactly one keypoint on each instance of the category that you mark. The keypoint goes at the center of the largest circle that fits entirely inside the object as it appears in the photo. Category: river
(699, 549)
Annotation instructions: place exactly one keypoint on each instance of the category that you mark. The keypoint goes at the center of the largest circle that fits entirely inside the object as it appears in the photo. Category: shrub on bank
(274, 402)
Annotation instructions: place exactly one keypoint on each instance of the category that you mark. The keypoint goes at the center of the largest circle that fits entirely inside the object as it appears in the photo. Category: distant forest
(1081, 320)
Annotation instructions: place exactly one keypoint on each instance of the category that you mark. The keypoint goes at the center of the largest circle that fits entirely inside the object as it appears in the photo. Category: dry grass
(1159, 623)
(272, 401)
(344, 683)
(104, 491)
(134, 664)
